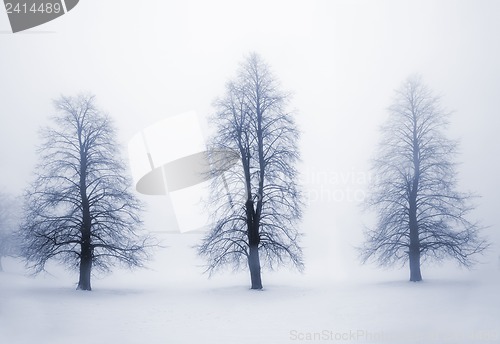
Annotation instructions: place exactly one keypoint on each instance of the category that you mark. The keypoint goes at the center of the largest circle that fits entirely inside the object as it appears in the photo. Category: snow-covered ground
(174, 303)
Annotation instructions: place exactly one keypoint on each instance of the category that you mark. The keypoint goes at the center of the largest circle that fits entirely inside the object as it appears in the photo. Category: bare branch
(79, 205)
(419, 211)
(257, 202)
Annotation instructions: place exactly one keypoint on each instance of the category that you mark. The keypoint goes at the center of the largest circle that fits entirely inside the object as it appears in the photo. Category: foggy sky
(341, 59)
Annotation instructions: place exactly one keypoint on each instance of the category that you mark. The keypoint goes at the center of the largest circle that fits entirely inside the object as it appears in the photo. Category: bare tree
(9, 218)
(79, 210)
(420, 214)
(256, 204)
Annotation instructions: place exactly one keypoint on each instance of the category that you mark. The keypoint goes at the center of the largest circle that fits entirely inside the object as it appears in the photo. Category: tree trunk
(415, 275)
(414, 251)
(254, 266)
(86, 247)
(253, 243)
(85, 267)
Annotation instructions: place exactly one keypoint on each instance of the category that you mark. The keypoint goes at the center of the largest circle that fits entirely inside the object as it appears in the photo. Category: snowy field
(173, 302)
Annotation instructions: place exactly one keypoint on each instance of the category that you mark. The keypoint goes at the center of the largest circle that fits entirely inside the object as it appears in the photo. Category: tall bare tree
(9, 218)
(256, 204)
(79, 210)
(420, 213)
